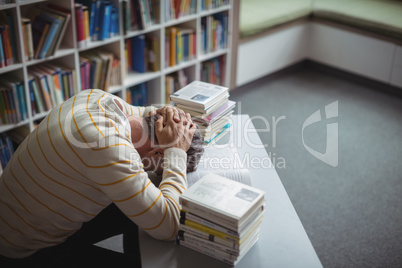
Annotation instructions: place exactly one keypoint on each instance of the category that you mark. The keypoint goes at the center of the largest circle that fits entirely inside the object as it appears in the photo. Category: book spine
(5, 45)
(10, 51)
(49, 38)
(12, 35)
(80, 25)
(38, 98)
(57, 88)
(3, 109)
(138, 53)
(86, 23)
(45, 93)
(29, 40)
(2, 58)
(185, 236)
(209, 230)
(13, 109)
(216, 254)
(172, 45)
(41, 40)
(23, 105)
(107, 10)
(7, 106)
(209, 214)
(97, 20)
(32, 100)
(188, 216)
(210, 237)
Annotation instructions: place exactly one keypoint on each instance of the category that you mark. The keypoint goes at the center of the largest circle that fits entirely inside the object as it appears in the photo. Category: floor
(351, 208)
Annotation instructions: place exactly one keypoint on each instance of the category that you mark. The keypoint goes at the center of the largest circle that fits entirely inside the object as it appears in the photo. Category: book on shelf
(50, 84)
(143, 53)
(13, 108)
(27, 37)
(140, 14)
(97, 68)
(214, 32)
(6, 44)
(138, 95)
(96, 20)
(211, 4)
(179, 8)
(213, 71)
(181, 43)
(174, 82)
(8, 48)
(220, 217)
(46, 40)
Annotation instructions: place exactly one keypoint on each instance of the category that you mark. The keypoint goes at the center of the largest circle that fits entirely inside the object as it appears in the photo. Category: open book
(222, 161)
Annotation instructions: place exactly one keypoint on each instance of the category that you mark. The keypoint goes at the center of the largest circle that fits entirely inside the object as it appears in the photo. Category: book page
(220, 161)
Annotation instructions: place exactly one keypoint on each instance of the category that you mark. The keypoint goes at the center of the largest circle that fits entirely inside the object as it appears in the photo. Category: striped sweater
(77, 161)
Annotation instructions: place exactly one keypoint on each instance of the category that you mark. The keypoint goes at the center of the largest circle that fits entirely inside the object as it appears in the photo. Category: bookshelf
(70, 52)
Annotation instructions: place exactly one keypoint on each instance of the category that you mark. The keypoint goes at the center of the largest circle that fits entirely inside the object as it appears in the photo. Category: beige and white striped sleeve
(155, 210)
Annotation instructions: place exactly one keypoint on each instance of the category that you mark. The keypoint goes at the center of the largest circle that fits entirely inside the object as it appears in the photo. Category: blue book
(2, 57)
(3, 154)
(9, 145)
(138, 53)
(23, 105)
(114, 28)
(106, 11)
(55, 25)
(5, 149)
(97, 20)
(92, 18)
(32, 98)
(186, 45)
(144, 94)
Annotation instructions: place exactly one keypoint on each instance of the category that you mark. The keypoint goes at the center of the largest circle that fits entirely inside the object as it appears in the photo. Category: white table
(283, 241)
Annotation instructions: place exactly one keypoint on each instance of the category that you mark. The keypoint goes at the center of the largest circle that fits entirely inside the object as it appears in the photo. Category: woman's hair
(195, 151)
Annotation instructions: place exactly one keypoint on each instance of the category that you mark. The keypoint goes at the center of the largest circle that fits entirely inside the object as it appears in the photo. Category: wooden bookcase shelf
(69, 52)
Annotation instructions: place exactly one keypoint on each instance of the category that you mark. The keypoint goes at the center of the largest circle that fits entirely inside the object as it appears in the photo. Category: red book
(3, 31)
(80, 24)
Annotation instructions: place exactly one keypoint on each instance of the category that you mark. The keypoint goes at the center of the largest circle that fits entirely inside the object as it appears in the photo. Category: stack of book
(209, 106)
(220, 218)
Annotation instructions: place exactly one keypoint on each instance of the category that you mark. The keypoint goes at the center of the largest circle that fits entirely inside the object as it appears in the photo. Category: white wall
(366, 56)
